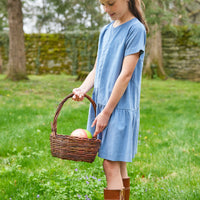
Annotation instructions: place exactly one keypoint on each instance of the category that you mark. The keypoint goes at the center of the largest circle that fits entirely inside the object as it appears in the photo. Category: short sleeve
(136, 39)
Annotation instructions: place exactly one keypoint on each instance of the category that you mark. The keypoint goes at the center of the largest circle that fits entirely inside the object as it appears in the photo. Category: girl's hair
(136, 9)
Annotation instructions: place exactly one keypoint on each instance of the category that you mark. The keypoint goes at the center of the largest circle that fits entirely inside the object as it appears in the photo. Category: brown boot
(126, 183)
(113, 194)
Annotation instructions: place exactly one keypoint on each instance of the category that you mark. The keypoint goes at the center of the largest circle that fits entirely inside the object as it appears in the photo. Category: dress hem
(118, 159)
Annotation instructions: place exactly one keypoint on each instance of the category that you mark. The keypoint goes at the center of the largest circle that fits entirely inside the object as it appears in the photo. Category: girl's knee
(107, 164)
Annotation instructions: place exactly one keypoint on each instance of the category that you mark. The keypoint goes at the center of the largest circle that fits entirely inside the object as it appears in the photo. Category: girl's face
(116, 9)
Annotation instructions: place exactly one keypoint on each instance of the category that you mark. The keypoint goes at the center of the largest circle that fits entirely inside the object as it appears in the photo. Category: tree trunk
(154, 62)
(17, 58)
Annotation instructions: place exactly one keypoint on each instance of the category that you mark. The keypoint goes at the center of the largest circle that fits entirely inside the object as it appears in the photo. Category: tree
(17, 59)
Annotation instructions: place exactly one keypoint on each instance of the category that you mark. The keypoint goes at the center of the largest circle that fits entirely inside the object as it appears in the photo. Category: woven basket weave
(70, 147)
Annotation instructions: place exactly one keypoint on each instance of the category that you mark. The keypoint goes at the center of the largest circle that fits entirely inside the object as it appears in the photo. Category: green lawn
(167, 165)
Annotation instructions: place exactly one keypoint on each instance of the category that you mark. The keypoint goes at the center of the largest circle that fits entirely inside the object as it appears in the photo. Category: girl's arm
(119, 88)
(87, 84)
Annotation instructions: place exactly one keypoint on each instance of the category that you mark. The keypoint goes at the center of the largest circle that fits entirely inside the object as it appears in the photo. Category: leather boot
(113, 194)
(126, 183)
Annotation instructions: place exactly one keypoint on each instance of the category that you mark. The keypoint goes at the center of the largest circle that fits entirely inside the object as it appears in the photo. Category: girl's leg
(112, 171)
(123, 170)
(125, 179)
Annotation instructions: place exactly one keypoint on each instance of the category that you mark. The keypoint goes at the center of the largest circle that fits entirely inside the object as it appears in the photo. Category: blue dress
(119, 138)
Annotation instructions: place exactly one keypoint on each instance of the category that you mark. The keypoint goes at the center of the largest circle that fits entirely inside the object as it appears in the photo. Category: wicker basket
(70, 147)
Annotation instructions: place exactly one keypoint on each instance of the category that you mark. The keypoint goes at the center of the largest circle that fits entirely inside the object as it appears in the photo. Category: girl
(116, 78)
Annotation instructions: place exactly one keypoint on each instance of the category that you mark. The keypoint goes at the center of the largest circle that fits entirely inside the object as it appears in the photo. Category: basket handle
(54, 124)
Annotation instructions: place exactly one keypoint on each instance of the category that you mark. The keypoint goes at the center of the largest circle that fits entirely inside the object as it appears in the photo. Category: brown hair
(136, 9)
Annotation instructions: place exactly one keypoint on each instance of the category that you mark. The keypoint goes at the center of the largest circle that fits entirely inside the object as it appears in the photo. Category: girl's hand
(78, 94)
(101, 122)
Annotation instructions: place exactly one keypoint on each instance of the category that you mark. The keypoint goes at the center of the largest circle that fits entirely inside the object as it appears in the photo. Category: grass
(167, 165)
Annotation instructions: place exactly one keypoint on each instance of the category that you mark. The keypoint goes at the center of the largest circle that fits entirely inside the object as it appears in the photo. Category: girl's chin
(113, 17)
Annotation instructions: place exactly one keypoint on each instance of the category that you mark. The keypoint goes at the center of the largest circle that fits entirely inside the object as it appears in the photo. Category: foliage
(3, 15)
(4, 39)
(60, 16)
(169, 12)
(165, 167)
(79, 14)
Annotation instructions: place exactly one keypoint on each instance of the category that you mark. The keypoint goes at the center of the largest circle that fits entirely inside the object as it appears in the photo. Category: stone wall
(76, 51)
(181, 52)
(56, 53)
